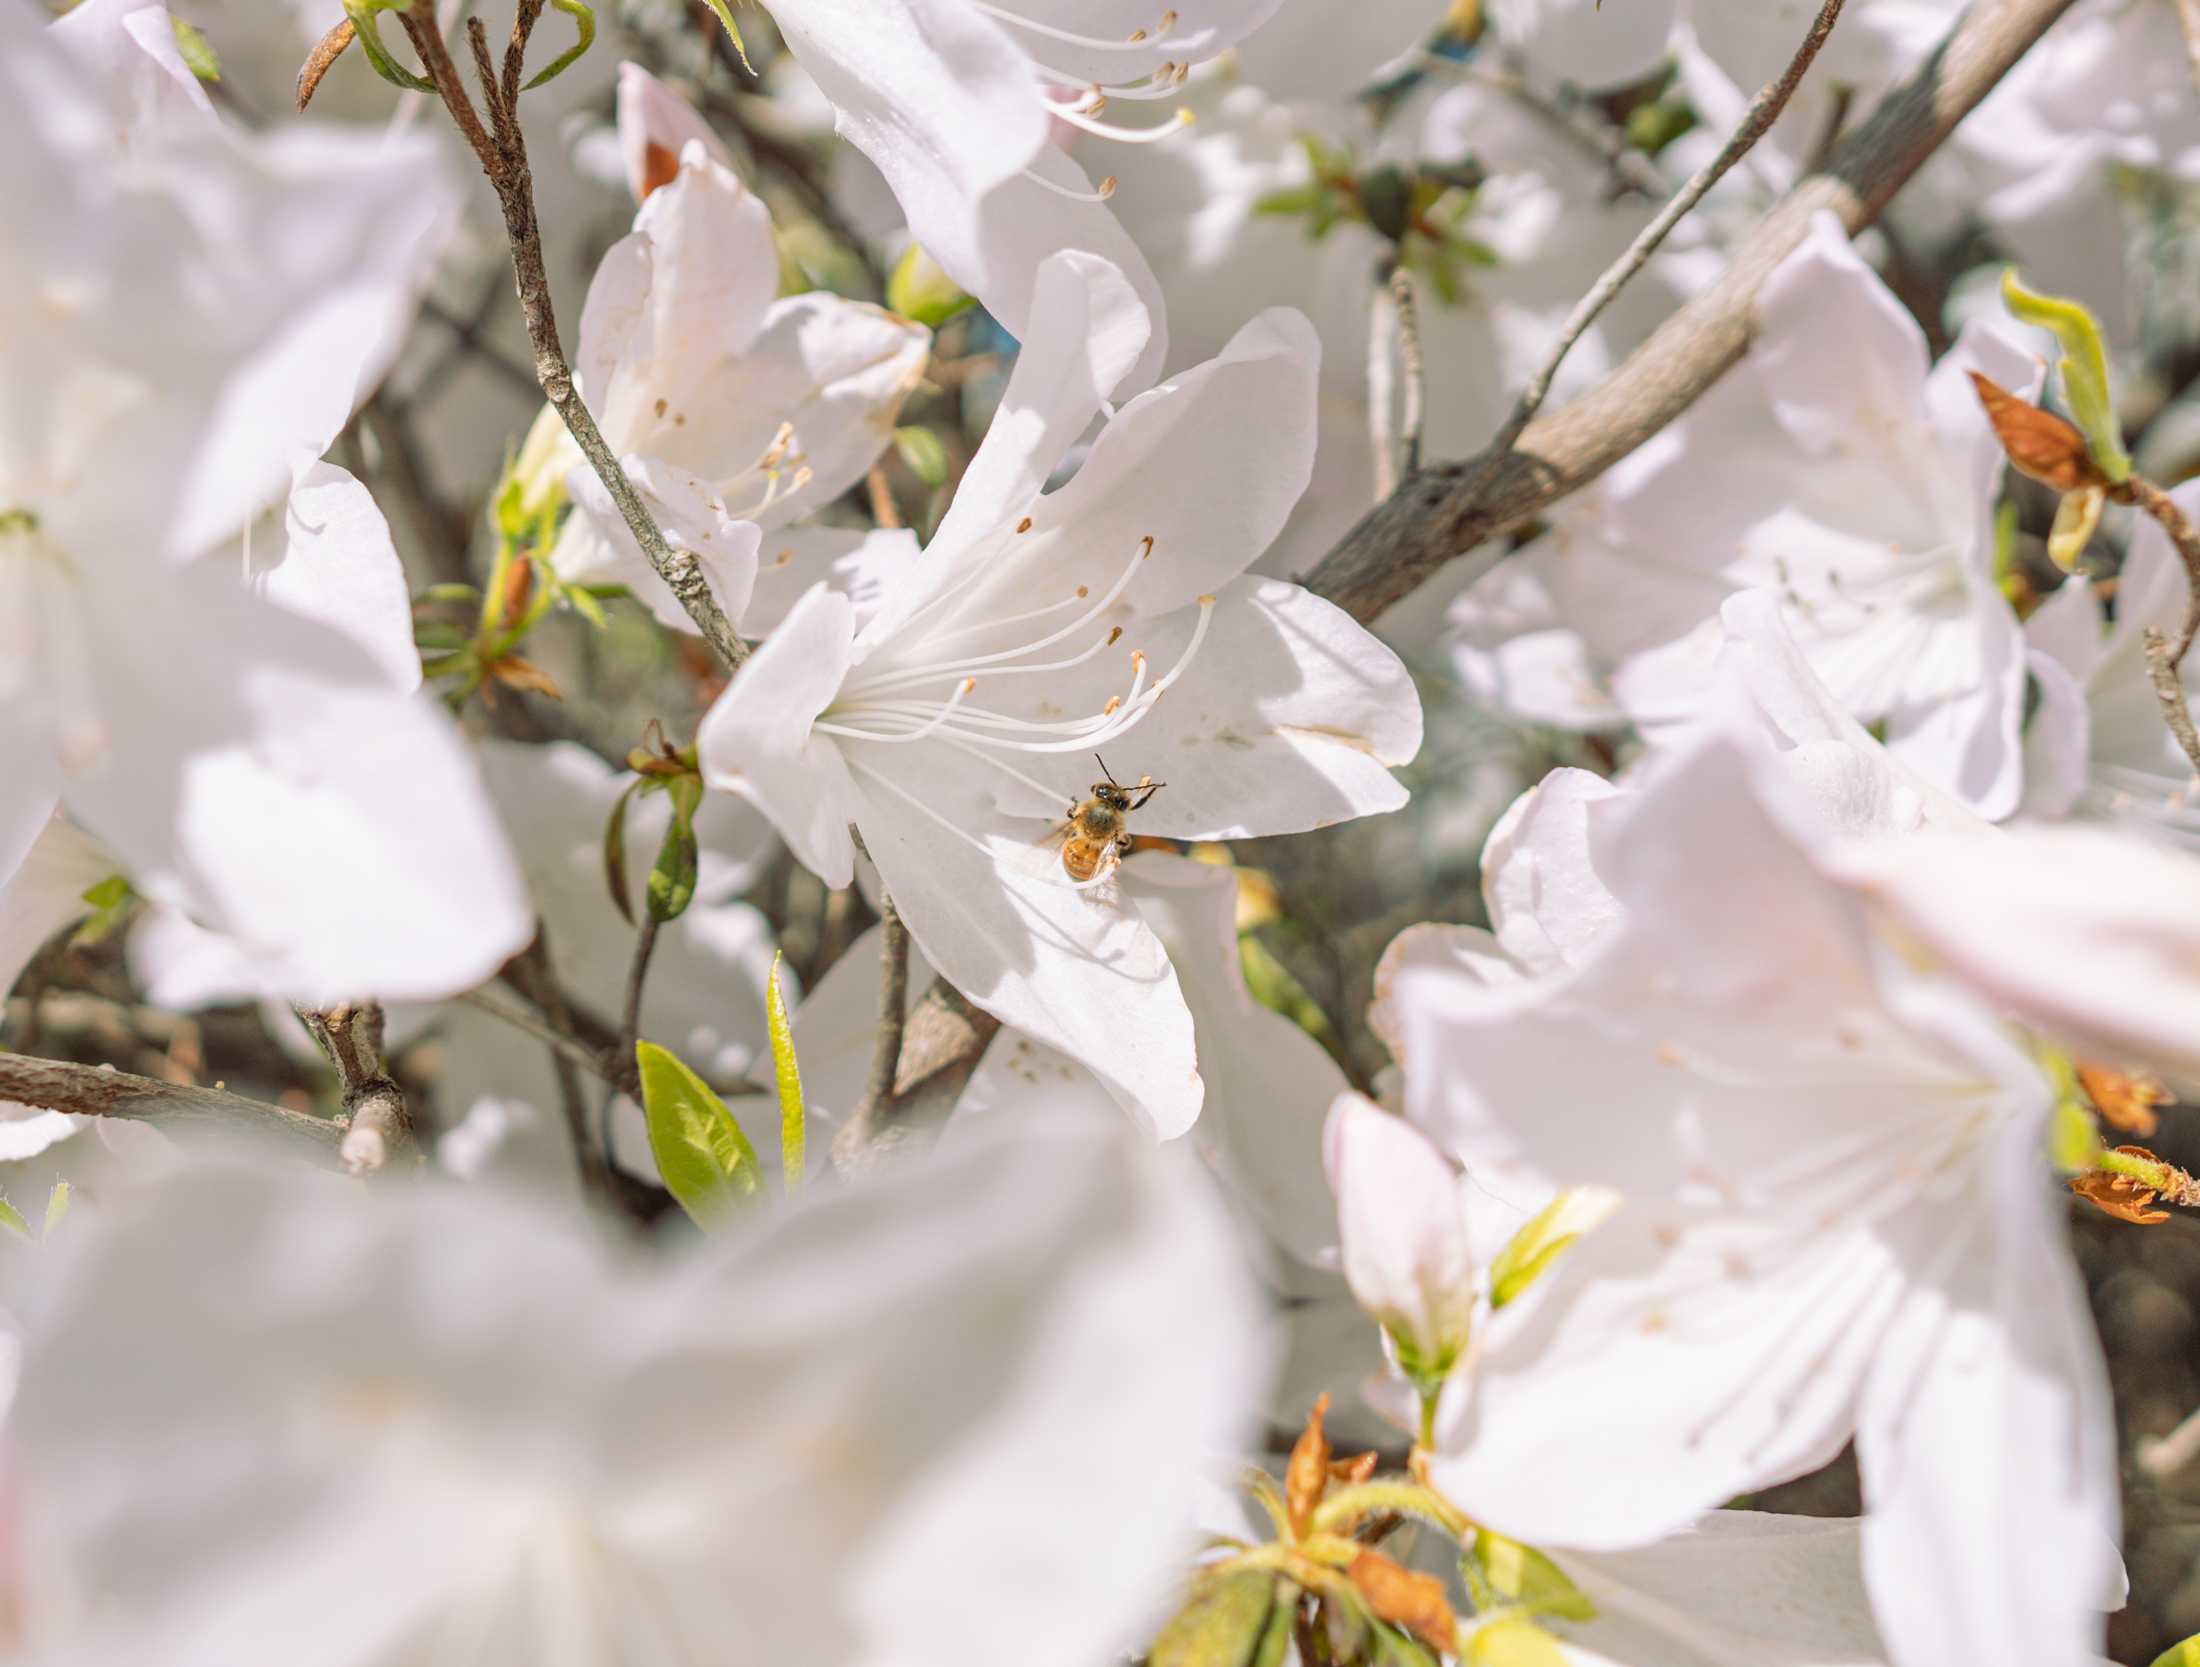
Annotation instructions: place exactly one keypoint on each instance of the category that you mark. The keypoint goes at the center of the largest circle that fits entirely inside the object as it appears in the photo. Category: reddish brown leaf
(2126, 1102)
(2119, 1196)
(2038, 442)
(516, 673)
(660, 166)
(1354, 1470)
(1415, 1602)
(326, 51)
(519, 590)
(1306, 1478)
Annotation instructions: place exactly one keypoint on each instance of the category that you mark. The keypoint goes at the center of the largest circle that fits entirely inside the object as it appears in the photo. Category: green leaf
(787, 1074)
(362, 15)
(725, 16)
(672, 879)
(1388, 1647)
(470, 595)
(1521, 1574)
(109, 902)
(706, 1161)
(584, 603)
(57, 1206)
(198, 57)
(1511, 1641)
(2185, 1654)
(2084, 367)
(1270, 983)
(12, 1219)
(108, 893)
(614, 852)
(1548, 1232)
(1386, 198)
(919, 291)
(920, 448)
(585, 21)
(1291, 201)
(1226, 1622)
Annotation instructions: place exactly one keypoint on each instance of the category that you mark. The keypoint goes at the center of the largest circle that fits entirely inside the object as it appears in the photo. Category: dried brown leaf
(2125, 1101)
(2038, 442)
(2119, 1196)
(516, 673)
(1356, 1469)
(660, 166)
(326, 51)
(1415, 1602)
(1306, 1478)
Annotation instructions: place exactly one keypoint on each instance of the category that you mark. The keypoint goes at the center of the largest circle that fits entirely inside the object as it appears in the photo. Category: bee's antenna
(1106, 773)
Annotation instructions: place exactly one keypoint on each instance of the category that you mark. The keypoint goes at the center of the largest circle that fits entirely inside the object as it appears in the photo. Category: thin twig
(531, 973)
(380, 1128)
(1410, 368)
(503, 157)
(1382, 386)
(630, 1024)
(893, 1003)
(1763, 111)
(1448, 510)
(565, 1047)
(99, 1091)
(2164, 1455)
(2164, 654)
(945, 1038)
(637, 973)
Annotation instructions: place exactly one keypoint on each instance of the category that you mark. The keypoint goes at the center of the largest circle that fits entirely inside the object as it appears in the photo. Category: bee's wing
(1039, 857)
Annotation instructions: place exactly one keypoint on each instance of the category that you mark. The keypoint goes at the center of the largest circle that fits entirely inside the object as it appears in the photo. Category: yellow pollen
(1206, 601)
(1024, 525)
(969, 683)
(1147, 542)
(1113, 635)
(1107, 188)
(1138, 658)
(1082, 593)
(1108, 711)
(1137, 35)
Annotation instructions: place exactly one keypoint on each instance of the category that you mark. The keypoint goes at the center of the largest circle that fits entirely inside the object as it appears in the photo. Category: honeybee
(1098, 830)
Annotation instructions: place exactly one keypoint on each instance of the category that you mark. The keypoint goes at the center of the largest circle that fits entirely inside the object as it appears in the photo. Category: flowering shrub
(957, 832)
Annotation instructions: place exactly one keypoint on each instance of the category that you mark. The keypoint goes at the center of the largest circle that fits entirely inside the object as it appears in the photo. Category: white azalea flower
(1733, 1589)
(1584, 43)
(1269, 1083)
(42, 889)
(2108, 89)
(2090, 935)
(242, 762)
(958, 102)
(1836, 1219)
(732, 411)
(2097, 748)
(427, 1425)
(1407, 1245)
(960, 723)
(1830, 467)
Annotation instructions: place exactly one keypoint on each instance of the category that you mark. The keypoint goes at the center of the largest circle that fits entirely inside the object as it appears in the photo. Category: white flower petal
(328, 557)
(756, 739)
(1154, 472)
